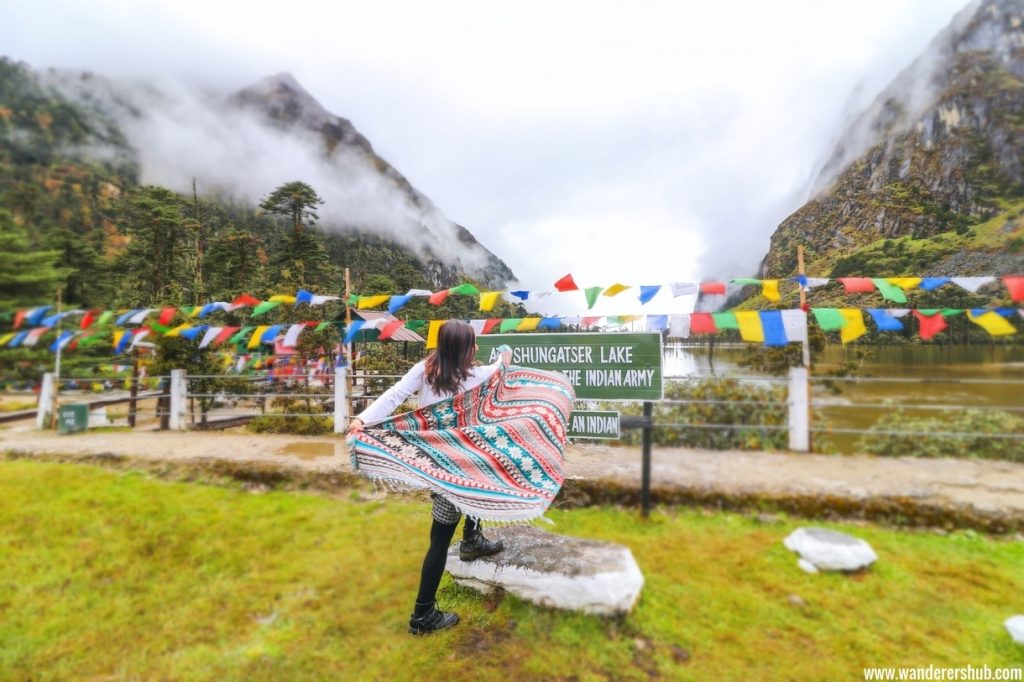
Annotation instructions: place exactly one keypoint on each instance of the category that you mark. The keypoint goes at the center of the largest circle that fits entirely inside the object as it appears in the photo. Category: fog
(642, 143)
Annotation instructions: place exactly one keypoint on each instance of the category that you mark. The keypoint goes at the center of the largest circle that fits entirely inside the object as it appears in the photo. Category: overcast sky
(639, 142)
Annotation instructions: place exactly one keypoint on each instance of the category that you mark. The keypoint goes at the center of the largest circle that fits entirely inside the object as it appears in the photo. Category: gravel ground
(981, 485)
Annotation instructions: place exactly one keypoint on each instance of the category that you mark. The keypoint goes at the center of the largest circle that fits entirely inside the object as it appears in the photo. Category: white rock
(806, 566)
(1015, 626)
(555, 570)
(829, 550)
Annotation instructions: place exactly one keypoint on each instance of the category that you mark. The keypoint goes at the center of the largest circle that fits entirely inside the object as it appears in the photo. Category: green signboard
(615, 366)
(72, 418)
(593, 424)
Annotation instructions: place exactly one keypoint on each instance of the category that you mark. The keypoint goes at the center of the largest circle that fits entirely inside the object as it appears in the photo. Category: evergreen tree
(27, 275)
(156, 266)
(295, 200)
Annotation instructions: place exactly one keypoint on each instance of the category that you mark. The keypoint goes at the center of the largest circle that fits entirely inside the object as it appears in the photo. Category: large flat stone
(830, 550)
(555, 570)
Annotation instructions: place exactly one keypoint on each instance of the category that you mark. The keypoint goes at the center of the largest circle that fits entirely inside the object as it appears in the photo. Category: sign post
(615, 366)
(607, 367)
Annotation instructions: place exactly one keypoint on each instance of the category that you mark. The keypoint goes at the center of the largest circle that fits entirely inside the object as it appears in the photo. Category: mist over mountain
(929, 179)
(242, 145)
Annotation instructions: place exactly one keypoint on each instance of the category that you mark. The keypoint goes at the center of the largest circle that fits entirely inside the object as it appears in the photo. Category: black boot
(432, 621)
(474, 545)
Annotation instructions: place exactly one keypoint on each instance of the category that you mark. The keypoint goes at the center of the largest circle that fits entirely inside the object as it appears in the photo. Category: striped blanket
(495, 452)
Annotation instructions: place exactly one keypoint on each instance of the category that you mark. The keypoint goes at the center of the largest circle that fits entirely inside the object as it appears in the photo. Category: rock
(555, 570)
(796, 599)
(1015, 626)
(806, 566)
(829, 550)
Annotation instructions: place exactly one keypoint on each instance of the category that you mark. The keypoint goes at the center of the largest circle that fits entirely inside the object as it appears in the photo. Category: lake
(960, 376)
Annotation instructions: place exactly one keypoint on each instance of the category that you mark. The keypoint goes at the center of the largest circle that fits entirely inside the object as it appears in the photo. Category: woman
(449, 370)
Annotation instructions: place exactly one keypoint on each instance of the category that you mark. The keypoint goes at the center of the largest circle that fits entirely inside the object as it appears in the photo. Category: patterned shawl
(495, 452)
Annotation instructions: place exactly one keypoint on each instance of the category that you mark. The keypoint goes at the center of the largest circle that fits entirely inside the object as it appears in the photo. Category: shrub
(748, 417)
(984, 424)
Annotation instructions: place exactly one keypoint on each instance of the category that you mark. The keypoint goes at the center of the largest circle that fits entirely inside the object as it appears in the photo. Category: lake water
(929, 376)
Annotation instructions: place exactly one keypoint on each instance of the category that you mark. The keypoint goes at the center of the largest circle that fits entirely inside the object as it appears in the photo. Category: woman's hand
(355, 426)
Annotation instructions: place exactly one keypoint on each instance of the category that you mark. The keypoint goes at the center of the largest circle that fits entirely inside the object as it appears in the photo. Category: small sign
(593, 424)
(613, 366)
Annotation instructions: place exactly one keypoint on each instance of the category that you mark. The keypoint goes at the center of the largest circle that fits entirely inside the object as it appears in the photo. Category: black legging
(437, 556)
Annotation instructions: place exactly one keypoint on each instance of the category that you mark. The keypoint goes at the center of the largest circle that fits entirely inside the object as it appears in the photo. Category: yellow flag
(770, 289)
(195, 311)
(5, 338)
(528, 324)
(372, 301)
(254, 340)
(432, 331)
(615, 289)
(905, 283)
(282, 298)
(178, 330)
(488, 299)
(992, 322)
(854, 327)
(750, 326)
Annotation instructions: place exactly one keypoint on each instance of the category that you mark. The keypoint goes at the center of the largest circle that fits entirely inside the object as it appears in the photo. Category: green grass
(117, 575)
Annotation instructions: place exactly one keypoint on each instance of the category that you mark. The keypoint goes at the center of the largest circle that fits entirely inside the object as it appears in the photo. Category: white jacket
(414, 381)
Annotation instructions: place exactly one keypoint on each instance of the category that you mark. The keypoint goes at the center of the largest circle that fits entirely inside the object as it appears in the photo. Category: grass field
(117, 575)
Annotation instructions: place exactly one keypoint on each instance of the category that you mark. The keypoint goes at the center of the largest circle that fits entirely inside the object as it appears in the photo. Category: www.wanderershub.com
(932, 672)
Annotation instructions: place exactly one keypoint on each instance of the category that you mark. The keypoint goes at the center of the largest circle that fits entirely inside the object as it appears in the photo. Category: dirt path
(989, 494)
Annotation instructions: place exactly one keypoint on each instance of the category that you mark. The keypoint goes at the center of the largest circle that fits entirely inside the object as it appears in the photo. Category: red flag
(702, 323)
(929, 325)
(438, 297)
(1015, 285)
(87, 319)
(589, 321)
(566, 284)
(712, 288)
(857, 285)
(166, 315)
(245, 300)
(19, 317)
(489, 325)
(390, 328)
(225, 334)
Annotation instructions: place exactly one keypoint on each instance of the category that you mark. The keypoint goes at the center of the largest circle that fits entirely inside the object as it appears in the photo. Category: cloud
(179, 132)
(644, 143)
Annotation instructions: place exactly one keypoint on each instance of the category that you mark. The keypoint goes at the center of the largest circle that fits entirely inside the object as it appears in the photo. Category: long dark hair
(448, 366)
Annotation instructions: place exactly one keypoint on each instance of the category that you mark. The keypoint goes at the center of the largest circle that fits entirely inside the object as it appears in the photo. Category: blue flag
(774, 330)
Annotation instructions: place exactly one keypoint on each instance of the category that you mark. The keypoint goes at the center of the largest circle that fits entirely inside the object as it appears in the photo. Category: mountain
(81, 155)
(930, 179)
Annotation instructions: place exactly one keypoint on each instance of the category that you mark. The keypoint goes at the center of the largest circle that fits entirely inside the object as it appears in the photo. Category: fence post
(648, 432)
(798, 401)
(340, 399)
(45, 404)
(179, 389)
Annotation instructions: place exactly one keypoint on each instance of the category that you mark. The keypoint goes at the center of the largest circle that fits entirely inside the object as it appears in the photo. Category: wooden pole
(803, 304)
(134, 389)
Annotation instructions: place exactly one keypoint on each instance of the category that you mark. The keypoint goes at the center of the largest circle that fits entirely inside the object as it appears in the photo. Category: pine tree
(157, 265)
(27, 275)
(295, 200)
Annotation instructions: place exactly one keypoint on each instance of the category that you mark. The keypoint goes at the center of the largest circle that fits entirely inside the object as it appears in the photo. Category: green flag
(829, 319)
(725, 320)
(889, 291)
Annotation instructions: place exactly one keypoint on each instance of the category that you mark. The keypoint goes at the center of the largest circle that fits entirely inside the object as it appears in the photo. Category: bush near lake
(985, 425)
(732, 407)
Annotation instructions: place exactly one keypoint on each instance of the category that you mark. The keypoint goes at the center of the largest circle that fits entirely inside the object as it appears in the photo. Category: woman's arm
(383, 406)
